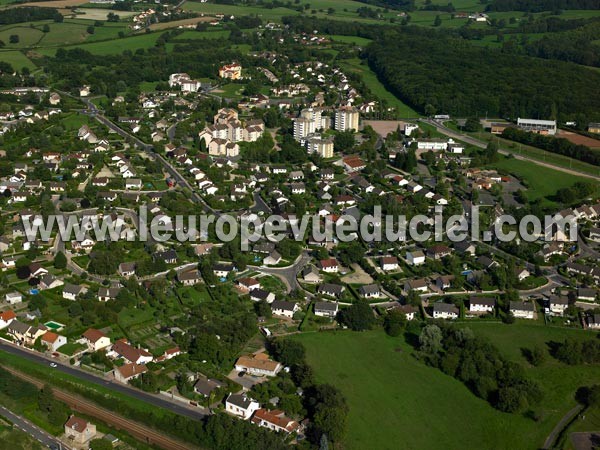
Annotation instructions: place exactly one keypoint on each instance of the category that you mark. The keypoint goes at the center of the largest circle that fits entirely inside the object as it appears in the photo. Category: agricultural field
(395, 398)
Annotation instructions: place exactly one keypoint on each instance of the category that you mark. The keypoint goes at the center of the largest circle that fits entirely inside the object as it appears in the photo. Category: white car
(53, 365)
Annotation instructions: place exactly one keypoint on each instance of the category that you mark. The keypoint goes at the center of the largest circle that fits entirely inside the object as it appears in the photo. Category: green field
(16, 59)
(111, 47)
(377, 88)
(356, 40)
(542, 181)
(398, 402)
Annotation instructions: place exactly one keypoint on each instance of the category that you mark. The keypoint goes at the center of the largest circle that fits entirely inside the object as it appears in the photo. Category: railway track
(140, 432)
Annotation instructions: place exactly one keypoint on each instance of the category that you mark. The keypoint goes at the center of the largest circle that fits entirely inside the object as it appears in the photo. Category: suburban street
(26, 426)
(155, 400)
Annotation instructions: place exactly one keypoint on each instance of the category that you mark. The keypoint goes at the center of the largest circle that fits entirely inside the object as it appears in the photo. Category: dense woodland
(29, 14)
(449, 76)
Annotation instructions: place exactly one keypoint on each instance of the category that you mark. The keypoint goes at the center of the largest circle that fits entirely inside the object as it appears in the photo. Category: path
(549, 442)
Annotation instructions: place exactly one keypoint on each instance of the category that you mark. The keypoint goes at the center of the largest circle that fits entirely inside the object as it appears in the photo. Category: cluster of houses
(227, 130)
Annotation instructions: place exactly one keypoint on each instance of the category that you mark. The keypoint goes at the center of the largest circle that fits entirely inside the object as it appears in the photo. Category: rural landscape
(310, 224)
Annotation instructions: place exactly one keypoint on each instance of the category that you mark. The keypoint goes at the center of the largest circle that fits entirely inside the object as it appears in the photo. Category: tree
(90, 29)
(344, 141)
(438, 21)
(430, 340)
(358, 317)
(60, 261)
(323, 444)
(13, 39)
(394, 323)
(46, 28)
(287, 351)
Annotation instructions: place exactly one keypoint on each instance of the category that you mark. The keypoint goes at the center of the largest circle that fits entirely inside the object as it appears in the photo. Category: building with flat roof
(537, 126)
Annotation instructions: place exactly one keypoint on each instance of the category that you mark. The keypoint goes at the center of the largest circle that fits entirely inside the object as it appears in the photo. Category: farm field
(377, 87)
(541, 181)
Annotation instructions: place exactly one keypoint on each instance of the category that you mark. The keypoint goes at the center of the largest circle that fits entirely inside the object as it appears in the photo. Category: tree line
(29, 14)
(552, 144)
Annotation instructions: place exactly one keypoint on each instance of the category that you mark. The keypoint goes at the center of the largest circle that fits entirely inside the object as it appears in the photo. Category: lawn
(377, 88)
(71, 348)
(394, 398)
(356, 40)
(542, 181)
(27, 36)
(132, 316)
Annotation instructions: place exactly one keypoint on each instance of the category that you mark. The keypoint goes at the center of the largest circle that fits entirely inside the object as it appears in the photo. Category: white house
(13, 298)
(481, 304)
(241, 405)
(389, 263)
(326, 309)
(415, 257)
(445, 311)
(558, 304)
(95, 340)
(258, 364)
(284, 308)
(53, 341)
(522, 310)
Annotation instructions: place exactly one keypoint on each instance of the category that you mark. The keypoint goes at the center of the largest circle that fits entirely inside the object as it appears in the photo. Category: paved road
(29, 428)
(561, 425)
(287, 274)
(155, 400)
(477, 143)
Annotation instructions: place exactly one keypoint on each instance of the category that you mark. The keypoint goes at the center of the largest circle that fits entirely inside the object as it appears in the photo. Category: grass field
(378, 89)
(542, 181)
(16, 59)
(394, 398)
(111, 47)
(356, 40)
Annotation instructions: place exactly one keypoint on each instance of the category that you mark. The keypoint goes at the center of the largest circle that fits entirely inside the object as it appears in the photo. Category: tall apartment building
(346, 118)
(320, 145)
(310, 120)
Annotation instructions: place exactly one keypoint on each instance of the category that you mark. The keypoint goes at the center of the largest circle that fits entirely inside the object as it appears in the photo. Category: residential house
(438, 252)
(49, 281)
(522, 310)
(419, 285)
(273, 258)
(329, 265)
(189, 277)
(389, 263)
(415, 257)
(24, 333)
(326, 309)
(127, 269)
(53, 341)
(129, 372)
(310, 274)
(259, 295)
(122, 349)
(558, 304)
(95, 340)
(105, 294)
(445, 311)
(248, 283)
(330, 289)
(72, 291)
(521, 273)
(593, 321)
(223, 270)
(409, 311)
(258, 364)
(241, 405)
(444, 282)
(12, 298)
(6, 317)
(274, 420)
(587, 294)
(370, 291)
(206, 386)
(481, 304)
(168, 256)
(79, 431)
(284, 308)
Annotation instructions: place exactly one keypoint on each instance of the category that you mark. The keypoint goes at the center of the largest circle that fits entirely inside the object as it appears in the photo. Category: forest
(29, 14)
(450, 76)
